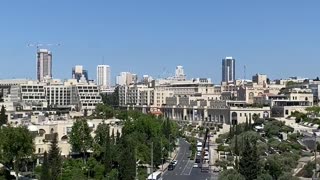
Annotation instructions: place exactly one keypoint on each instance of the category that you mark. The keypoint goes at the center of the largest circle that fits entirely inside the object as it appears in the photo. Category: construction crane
(38, 45)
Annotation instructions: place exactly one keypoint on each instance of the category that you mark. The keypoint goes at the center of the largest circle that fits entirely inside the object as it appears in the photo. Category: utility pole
(161, 155)
(152, 160)
(315, 155)
(135, 150)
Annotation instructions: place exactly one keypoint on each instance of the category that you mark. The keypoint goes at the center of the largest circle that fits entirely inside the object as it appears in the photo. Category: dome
(32, 128)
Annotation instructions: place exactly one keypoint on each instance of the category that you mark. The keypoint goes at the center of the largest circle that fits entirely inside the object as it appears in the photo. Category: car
(195, 165)
(174, 162)
(171, 167)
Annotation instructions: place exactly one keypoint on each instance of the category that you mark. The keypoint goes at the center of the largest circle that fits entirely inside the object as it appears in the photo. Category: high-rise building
(180, 76)
(228, 70)
(79, 73)
(104, 76)
(126, 78)
(44, 64)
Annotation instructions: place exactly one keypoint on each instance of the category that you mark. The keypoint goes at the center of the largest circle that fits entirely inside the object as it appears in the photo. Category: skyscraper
(104, 76)
(78, 72)
(44, 64)
(228, 70)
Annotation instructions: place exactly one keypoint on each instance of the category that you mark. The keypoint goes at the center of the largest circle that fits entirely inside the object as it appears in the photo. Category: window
(240, 114)
(287, 112)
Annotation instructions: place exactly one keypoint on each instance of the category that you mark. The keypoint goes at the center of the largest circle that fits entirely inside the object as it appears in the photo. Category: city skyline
(122, 36)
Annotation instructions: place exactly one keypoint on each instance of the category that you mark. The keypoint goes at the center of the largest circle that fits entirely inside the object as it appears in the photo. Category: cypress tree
(247, 124)
(45, 172)
(248, 165)
(112, 137)
(3, 117)
(250, 123)
(118, 137)
(55, 159)
(236, 149)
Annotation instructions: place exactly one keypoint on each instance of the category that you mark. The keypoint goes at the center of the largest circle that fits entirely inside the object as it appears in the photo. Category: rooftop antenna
(245, 72)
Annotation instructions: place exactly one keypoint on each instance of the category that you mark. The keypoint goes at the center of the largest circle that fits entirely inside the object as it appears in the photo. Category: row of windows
(33, 97)
(92, 97)
(96, 91)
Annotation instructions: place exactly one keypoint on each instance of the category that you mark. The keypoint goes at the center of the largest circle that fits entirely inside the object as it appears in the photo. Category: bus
(155, 176)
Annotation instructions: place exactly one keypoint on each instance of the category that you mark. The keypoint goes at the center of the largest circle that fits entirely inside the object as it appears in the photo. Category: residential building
(79, 73)
(44, 65)
(104, 76)
(126, 78)
(260, 79)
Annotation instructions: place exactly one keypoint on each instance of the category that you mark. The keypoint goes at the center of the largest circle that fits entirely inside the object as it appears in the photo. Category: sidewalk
(213, 146)
(172, 157)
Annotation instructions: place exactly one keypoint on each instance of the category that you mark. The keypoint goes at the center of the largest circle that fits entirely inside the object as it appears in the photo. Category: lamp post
(170, 146)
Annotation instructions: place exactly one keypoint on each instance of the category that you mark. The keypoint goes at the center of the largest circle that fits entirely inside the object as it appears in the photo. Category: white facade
(44, 65)
(126, 78)
(179, 75)
(104, 76)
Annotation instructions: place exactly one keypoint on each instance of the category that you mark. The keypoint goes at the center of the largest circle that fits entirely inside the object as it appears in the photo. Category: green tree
(118, 137)
(16, 145)
(308, 170)
(264, 177)
(80, 137)
(103, 143)
(231, 175)
(127, 163)
(45, 170)
(54, 158)
(3, 116)
(249, 162)
(273, 167)
(73, 169)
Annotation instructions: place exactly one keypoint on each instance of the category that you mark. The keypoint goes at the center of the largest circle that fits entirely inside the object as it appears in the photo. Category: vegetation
(80, 137)
(260, 157)
(54, 159)
(16, 147)
(3, 116)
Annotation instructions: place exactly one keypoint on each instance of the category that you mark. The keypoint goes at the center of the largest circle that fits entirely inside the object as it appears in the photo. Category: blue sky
(279, 38)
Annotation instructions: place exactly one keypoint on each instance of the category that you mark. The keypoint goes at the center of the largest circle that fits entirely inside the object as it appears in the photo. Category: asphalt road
(184, 169)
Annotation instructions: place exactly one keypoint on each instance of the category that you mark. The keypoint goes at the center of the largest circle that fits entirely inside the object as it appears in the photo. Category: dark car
(171, 167)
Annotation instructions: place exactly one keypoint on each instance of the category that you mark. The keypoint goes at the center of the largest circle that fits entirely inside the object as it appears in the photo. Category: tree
(118, 137)
(264, 177)
(249, 162)
(231, 175)
(3, 116)
(127, 163)
(255, 117)
(80, 137)
(103, 149)
(17, 145)
(54, 158)
(45, 170)
(273, 167)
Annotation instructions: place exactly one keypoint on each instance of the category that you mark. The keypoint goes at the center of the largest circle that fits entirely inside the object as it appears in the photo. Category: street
(184, 169)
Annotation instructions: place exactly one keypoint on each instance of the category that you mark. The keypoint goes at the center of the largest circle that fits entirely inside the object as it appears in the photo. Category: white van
(155, 176)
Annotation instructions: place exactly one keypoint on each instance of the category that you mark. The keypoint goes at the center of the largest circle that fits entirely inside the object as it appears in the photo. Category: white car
(195, 165)
(175, 162)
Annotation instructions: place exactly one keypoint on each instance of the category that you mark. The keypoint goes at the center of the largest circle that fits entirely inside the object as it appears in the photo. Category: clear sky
(278, 37)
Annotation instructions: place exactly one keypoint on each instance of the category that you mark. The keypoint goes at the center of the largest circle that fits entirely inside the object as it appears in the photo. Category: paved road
(184, 169)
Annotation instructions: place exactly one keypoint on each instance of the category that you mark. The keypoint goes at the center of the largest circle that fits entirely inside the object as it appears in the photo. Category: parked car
(174, 162)
(195, 165)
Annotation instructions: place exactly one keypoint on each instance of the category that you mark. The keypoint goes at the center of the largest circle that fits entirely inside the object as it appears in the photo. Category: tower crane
(38, 45)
